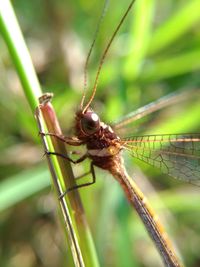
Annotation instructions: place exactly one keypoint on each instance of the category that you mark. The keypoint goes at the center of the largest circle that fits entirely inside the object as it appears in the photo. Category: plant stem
(85, 254)
(12, 35)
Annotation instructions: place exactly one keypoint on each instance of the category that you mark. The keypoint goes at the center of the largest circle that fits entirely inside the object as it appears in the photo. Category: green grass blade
(172, 66)
(18, 187)
(15, 42)
(175, 27)
(139, 37)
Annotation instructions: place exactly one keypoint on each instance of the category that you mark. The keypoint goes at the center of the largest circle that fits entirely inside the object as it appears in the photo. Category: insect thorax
(103, 147)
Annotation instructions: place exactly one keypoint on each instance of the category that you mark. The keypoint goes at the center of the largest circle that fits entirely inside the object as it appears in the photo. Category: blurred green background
(156, 52)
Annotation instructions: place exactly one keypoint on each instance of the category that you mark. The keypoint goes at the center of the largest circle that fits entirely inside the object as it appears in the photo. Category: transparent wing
(177, 155)
(161, 103)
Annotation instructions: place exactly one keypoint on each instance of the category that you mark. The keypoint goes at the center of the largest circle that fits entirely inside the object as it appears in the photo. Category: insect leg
(68, 140)
(81, 185)
(66, 157)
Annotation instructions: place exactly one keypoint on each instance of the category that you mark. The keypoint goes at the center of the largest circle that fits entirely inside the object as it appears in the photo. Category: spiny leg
(82, 185)
(71, 160)
(68, 140)
(66, 157)
(75, 162)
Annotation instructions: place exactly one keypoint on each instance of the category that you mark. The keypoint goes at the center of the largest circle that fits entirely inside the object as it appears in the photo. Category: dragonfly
(177, 155)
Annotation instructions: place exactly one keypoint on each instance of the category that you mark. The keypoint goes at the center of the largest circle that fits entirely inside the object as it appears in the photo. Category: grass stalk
(72, 210)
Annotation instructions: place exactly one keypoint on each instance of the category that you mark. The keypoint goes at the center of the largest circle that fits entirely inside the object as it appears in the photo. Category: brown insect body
(103, 148)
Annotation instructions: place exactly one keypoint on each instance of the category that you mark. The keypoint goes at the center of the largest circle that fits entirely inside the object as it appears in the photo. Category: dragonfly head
(87, 123)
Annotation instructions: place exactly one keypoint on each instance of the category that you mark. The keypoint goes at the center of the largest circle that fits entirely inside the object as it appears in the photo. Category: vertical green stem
(12, 35)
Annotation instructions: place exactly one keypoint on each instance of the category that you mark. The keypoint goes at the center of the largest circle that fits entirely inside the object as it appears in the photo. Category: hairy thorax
(103, 147)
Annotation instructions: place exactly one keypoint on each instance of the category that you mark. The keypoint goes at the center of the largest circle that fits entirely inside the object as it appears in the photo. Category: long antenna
(104, 10)
(104, 55)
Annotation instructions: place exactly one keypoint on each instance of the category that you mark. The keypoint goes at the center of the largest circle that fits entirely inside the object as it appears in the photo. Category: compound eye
(90, 123)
